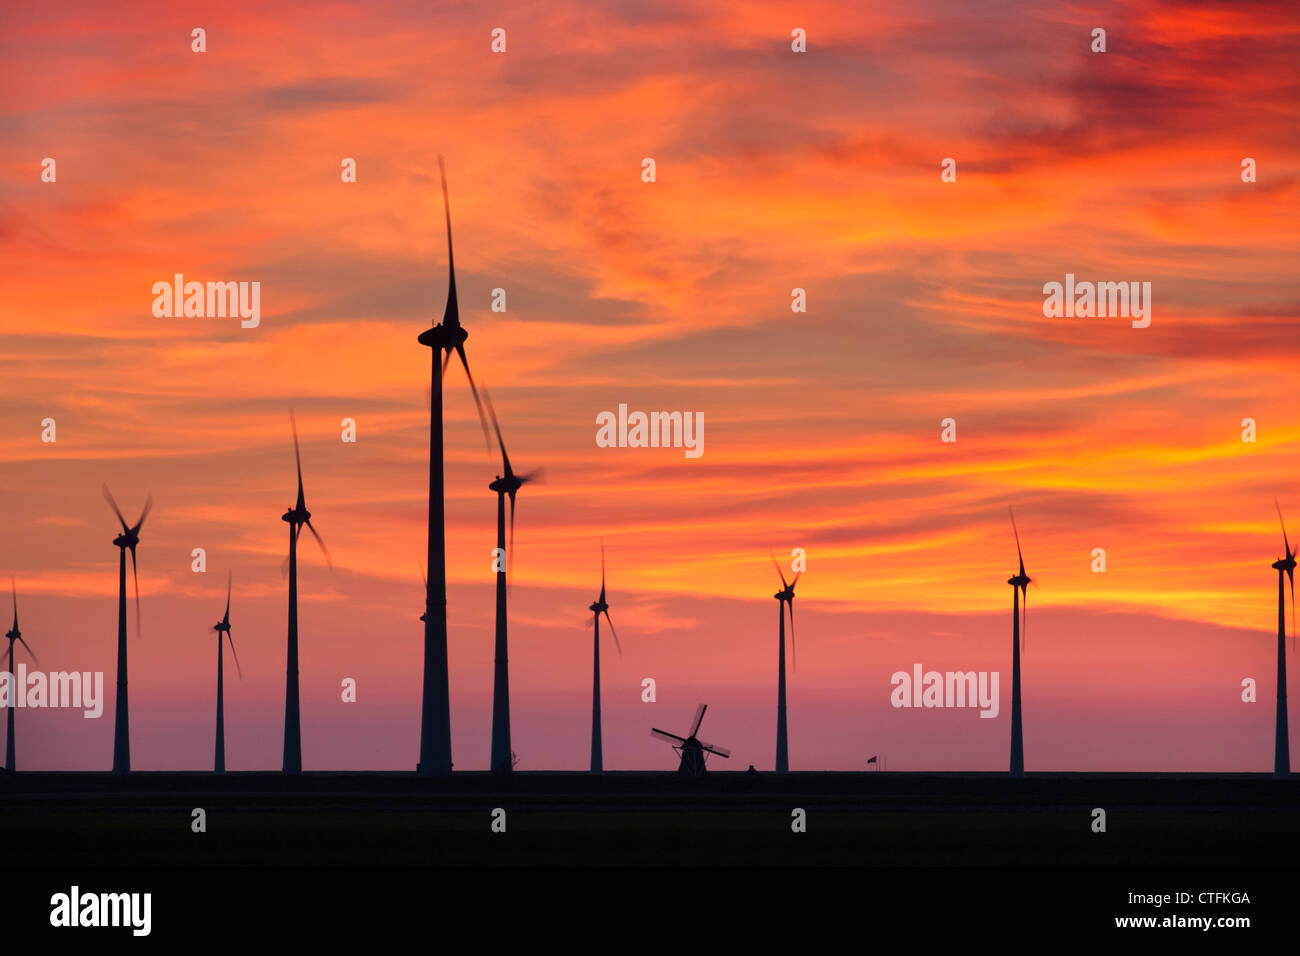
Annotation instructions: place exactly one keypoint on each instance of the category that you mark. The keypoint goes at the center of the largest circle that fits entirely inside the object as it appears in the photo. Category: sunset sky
(775, 170)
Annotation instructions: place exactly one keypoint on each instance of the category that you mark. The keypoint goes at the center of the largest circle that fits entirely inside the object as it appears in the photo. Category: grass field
(853, 819)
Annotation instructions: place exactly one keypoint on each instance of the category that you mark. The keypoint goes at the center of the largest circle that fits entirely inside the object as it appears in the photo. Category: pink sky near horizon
(775, 170)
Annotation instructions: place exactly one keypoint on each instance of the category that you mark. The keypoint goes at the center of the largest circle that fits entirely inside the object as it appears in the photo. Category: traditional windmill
(691, 749)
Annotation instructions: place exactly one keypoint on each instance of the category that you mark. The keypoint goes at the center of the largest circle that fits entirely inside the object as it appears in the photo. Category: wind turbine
(599, 607)
(222, 627)
(128, 539)
(784, 596)
(14, 635)
(1281, 739)
(692, 750)
(1019, 583)
(506, 484)
(297, 516)
(435, 709)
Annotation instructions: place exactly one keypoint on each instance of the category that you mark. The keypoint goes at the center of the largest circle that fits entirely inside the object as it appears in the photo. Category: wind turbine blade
(14, 585)
(665, 735)
(778, 569)
(297, 456)
(324, 550)
(148, 503)
(505, 459)
(238, 669)
(284, 567)
(446, 360)
(487, 439)
(24, 643)
(589, 622)
(108, 496)
(699, 718)
(1290, 574)
(136, 577)
(446, 207)
(602, 570)
(1286, 544)
(1016, 532)
(229, 579)
(615, 633)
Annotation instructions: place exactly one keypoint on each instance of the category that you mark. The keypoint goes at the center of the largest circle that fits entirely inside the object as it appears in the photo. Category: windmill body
(219, 763)
(784, 599)
(435, 707)
(1285, 567)
(297, 518)
(506, 485)
(597, 755)
(292, 760)
(501, 667)
(1019, 584)
(222, 628)
(597, 608)
(15, 636)
(1281, 735)
(1017, 731)
(782, 740)
(10, 765)
(126, 541)
(121, 711)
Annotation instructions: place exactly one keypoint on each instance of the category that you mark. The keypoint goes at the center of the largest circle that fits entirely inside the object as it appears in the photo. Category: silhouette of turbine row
(435, 726)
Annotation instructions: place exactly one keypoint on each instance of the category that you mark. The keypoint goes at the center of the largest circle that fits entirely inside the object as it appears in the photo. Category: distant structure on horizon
(1019, 583)
(1281, 738)
(13, 635)
(599, 607)
(691, 748)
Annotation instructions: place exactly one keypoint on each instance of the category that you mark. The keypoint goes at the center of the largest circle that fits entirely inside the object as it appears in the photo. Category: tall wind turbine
(128, 539)
(1281, 739)
(507, 484)
(222, 627)
(784, 596)
(297, 517)
(435, 713)
(14, 635)
(599, 607)
(1019, 583)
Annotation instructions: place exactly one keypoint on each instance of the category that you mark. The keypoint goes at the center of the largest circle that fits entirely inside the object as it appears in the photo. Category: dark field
(854, 819)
